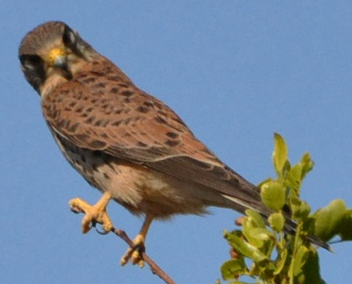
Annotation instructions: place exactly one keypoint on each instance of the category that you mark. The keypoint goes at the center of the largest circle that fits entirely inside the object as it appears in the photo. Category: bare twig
(153, 266)
(122, 234)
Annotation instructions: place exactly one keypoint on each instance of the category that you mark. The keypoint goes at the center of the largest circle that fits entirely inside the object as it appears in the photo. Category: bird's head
(53, 52)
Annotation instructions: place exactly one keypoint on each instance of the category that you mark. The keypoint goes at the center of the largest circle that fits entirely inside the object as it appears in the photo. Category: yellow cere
(55, 53)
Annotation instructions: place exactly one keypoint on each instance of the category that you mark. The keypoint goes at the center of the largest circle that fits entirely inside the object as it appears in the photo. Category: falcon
(124, 142)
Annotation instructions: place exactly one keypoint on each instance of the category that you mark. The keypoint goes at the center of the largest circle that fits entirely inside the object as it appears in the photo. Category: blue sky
(235, 71)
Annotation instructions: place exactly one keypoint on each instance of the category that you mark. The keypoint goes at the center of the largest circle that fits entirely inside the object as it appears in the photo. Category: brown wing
(125, 122)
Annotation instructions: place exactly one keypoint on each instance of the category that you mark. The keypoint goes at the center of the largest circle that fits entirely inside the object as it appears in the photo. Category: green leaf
(310, 271)
(269, 255)
(298, 261)
(346, 226)
(277, 221)
(256, 232)
(273, 195)
(232, 268)
(256, 236)
(307, 164)
(328, 220)
(281, 262)
(280, 153)
(300, 209)
(256, 218)
(236, 240)
(294, 177)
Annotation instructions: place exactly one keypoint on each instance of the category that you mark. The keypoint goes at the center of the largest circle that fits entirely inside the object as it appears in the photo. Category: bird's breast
(138, 188)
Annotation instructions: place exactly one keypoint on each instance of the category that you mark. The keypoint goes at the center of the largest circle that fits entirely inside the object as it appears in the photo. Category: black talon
(98, 231)
(76, 211)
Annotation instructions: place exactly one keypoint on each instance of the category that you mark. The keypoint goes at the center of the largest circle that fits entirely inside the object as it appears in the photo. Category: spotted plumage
(126, 143)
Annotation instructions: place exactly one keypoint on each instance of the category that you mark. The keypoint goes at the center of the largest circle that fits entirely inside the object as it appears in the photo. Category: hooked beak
(57, 57)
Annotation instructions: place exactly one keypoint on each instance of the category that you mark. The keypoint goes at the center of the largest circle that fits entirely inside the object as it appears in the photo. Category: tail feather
(290, 226)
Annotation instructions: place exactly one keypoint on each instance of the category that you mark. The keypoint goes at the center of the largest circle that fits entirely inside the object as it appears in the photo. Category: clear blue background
(235, 71)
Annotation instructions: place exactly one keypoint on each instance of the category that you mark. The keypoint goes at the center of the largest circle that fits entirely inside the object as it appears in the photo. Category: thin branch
(122, 234)
(153, 266)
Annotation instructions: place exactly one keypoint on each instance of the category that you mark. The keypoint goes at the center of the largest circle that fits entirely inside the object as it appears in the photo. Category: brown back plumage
(116, 135)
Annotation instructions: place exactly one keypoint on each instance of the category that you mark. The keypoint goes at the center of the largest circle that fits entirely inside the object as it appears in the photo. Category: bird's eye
(31, 62)
(33, 69)
(69, 38)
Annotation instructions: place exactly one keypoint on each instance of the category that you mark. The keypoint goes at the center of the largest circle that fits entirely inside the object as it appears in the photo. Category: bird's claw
(135, 252)
(93, 214)
(103, 232)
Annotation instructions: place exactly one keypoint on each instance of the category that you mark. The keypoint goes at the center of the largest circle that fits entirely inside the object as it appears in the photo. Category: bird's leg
(93, 213)
(134, 253)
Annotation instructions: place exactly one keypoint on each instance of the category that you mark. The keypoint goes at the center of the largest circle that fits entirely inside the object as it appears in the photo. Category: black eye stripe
(73, 41)
(33, 69)
(30, 61)
(69, 37)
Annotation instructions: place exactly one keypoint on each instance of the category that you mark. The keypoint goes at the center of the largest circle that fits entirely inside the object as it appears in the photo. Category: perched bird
(124, 142)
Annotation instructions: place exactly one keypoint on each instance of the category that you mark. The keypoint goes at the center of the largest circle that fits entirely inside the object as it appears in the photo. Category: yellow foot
(134, 253)
(93, 213)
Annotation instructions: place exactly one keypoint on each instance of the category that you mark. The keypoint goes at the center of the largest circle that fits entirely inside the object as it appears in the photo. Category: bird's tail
(290, 226)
